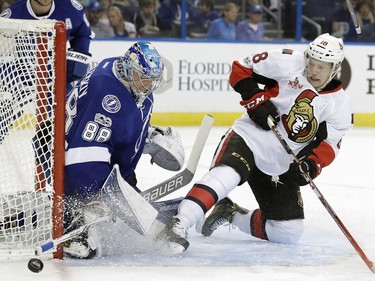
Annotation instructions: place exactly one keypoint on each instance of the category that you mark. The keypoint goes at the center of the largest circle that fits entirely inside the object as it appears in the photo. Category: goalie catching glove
(165, 148)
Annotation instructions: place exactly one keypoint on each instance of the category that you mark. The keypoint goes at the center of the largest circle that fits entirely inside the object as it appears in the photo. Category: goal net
(32, 103)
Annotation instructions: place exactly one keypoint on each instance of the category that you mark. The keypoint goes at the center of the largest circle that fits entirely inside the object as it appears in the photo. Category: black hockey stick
(184, 177)
(354, 17)
(340, 224)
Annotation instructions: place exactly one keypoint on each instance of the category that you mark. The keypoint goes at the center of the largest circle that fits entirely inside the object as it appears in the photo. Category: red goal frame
(59, 140)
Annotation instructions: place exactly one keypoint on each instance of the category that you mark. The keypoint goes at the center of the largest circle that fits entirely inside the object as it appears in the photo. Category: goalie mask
(326, 48)
(141, 68)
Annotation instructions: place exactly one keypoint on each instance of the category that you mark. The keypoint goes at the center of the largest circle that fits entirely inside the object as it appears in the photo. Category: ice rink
(323, 253)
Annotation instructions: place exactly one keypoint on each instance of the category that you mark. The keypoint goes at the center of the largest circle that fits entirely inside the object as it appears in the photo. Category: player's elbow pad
(77, 65)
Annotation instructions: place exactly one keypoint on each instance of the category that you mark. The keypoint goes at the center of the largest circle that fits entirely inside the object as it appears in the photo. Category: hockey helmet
(327, 48)
(141, 60)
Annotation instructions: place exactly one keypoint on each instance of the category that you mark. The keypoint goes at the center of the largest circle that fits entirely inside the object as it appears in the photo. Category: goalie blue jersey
(104, 126)
(71, 12)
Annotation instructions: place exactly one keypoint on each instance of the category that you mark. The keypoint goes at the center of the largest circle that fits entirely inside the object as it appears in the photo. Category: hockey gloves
(77, 64)
(259, 107)
(165, 148)
(305, 166)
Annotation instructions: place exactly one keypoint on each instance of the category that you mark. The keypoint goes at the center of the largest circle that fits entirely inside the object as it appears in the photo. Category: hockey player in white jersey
(312, 112)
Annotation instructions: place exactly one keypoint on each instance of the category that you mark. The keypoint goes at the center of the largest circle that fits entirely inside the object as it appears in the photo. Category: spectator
(342, 25)
(5, 4)
(146, 19)
(251, 28)
(128, 7)
(366, 19)
(206, 14)
(121, 27)
(273, 6)
(101, 29)
(365, 13)
(86, 3)
(170, 11)
(105, 4)
(224, 27)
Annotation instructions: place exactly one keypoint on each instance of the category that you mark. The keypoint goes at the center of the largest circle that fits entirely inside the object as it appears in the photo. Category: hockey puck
(35, 265)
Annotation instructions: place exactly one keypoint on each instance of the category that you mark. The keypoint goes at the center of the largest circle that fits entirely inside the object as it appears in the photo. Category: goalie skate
(85, 245)
(82, 246)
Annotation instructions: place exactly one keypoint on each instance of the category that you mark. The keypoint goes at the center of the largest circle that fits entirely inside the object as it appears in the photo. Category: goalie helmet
(143, 63)
(327, 48)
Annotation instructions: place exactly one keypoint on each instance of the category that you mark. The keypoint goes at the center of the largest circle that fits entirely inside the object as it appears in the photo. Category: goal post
(32, 134)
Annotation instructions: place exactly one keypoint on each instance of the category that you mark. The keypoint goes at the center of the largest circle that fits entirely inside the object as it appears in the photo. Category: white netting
(27, 79)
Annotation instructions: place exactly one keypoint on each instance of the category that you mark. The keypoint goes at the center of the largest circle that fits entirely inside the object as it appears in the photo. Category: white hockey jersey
(302, 111)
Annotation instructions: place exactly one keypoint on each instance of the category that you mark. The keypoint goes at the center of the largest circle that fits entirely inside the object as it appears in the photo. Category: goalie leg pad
(127, 203)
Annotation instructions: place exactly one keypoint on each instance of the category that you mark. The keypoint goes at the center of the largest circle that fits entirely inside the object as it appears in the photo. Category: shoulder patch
(287, 51)
(6, 13)
(248, 60)
(76, 5)
(111, 103)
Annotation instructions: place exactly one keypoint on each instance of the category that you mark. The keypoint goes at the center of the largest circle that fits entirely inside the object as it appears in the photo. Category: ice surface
(323, 253)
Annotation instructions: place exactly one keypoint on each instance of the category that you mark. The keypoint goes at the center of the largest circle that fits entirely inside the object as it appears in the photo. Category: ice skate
(176, 234)
(223, 212)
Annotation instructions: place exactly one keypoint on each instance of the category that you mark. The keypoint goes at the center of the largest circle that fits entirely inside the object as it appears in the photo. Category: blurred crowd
(246, 20)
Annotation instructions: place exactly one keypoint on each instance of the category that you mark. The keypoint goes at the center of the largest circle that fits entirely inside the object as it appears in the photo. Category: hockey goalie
(108, 125)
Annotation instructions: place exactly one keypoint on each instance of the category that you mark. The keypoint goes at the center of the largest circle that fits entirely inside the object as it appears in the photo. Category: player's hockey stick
(36, 265)
(184, 177)
(354, 17)
(340, 224)
(66, 237)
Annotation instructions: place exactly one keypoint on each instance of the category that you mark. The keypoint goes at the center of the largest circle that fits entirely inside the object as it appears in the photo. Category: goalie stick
(333, 214)
(354, 17)
(184, 177)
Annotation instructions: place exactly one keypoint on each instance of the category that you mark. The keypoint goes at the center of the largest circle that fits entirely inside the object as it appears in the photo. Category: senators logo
(300, 123)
